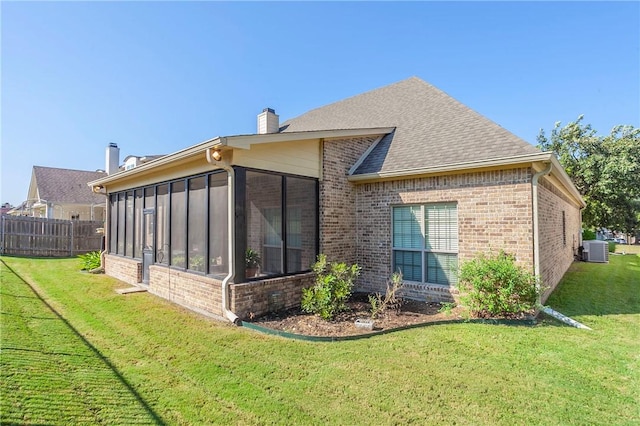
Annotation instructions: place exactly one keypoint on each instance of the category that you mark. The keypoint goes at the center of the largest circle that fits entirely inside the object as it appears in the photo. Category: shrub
(390, 300)
(90, 260)
(588, 235)
(331, 290)
(495, 286)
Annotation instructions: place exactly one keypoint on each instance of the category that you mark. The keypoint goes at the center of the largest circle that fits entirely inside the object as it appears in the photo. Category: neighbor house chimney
(112, 158)
(268, 122)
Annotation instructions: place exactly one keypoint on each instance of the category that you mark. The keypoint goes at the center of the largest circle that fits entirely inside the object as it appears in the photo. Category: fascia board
(245, 141)
(521, 159)
(240, 142)
(542, 157)
(159, 162)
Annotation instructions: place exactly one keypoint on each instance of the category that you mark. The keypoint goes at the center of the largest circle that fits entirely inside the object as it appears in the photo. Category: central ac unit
(595, 251)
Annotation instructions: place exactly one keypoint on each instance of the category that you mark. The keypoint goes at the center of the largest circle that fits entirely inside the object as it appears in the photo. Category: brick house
(399, 178)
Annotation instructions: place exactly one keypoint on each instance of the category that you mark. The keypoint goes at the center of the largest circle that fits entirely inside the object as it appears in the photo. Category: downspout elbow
(231, 179)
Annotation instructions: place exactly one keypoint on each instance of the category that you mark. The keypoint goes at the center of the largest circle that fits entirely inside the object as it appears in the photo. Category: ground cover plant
(167, 365)
(89, 261)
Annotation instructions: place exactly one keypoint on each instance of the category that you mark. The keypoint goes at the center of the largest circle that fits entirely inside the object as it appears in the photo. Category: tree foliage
(605, 169)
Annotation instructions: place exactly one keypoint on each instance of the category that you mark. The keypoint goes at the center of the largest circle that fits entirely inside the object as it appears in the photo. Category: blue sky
(156, 77)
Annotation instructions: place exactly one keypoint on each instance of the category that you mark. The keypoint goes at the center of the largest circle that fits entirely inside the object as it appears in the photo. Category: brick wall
(196, 292)
(338, 198)
(556, 251)
(123, 268)
(494, 212)
(269, 295)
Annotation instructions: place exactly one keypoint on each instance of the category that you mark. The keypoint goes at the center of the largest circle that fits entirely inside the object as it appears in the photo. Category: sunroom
(184, 226)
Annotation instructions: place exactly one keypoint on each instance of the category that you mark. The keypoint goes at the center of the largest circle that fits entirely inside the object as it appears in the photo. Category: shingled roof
(66, 186)
(432, 128)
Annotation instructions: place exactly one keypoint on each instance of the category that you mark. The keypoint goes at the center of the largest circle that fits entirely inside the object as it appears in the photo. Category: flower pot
(251, 272)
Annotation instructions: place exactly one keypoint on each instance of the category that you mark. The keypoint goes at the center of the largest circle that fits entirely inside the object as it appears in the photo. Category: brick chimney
(268, 122)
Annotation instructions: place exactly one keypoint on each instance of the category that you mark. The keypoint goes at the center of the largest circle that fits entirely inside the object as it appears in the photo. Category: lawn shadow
(97, 378)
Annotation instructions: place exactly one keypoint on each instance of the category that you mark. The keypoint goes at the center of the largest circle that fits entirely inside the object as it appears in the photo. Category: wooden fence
(39, 237)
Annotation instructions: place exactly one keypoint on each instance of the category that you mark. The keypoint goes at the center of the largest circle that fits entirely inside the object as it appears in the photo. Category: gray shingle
(67, 186)
(432, 128)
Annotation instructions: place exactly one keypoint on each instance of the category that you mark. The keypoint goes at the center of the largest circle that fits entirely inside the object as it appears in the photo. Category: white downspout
(536, 239)
(231, 223)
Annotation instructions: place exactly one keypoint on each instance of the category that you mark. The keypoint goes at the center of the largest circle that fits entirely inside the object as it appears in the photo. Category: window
(178, 228)
(264, 219)
(218, 229)
(197, 218)
(137, 225)
(564, 229)
(121, 222)
(281, 221)
(128, 249)
(425, 243)
(301, 223)
(113, 223)
(162, 224)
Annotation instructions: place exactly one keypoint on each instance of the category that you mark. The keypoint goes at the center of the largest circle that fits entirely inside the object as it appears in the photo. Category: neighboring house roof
(143, 158)
(432, 128)
(66, 186)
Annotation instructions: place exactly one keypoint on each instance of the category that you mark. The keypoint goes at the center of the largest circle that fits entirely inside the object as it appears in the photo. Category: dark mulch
(411, 312)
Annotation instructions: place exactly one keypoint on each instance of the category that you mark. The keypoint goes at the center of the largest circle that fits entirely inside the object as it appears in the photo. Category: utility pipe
(231, 224)
(536, 227)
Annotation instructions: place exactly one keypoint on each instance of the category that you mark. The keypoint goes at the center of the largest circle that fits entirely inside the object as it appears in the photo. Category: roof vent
(268, 122)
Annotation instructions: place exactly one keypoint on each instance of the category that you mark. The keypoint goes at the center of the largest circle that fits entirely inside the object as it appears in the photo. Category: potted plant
(252, 262)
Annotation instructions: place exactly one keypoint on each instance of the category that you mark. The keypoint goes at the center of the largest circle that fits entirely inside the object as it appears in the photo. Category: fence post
(71, 240)
(2, 242)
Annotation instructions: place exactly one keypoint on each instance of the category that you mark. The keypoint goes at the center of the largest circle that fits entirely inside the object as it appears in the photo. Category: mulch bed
(411, 313)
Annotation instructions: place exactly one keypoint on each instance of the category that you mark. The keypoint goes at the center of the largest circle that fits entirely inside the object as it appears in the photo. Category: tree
(605, 169)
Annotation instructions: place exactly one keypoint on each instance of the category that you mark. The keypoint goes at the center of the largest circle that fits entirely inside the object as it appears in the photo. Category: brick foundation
(270, 295)
(123, 268)
(196, 292)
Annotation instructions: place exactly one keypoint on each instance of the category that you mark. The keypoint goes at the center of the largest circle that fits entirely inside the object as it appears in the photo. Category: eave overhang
(237, 142)
(515, 161)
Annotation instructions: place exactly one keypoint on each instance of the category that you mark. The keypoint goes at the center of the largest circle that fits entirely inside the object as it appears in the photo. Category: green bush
(90, 260)
(612, 247)
(331, 290)
(494, 286)
(588, 234)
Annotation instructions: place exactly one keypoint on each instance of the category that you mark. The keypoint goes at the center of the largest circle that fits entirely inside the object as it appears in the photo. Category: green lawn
(76, 352)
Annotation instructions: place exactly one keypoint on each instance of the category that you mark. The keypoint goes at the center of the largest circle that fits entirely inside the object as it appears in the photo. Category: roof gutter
(494, 162)
(544, 157)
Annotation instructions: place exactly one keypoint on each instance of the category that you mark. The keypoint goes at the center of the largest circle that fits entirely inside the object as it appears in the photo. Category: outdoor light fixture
(216, 155)
(97, 188)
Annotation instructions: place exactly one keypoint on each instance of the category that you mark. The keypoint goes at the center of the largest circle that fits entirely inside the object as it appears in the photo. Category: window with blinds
(425, 242)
